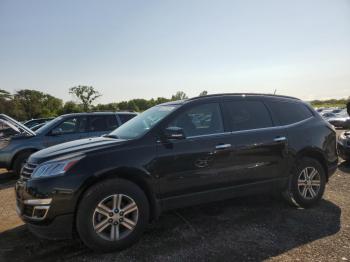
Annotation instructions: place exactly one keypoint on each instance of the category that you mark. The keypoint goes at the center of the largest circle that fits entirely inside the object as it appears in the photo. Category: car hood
(80, 146)
(16, 126)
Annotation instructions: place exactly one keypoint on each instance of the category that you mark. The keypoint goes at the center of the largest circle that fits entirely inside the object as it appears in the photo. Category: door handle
(280, 139)
(223, 146)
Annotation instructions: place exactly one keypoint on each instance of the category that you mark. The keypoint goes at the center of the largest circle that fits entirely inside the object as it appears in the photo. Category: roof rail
(241, 94)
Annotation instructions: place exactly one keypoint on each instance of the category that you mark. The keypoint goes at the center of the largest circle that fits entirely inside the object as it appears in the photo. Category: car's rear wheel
(307, 183)
(112, 215)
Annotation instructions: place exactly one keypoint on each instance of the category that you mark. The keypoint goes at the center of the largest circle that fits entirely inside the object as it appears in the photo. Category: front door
(69, 129)
(191, 165)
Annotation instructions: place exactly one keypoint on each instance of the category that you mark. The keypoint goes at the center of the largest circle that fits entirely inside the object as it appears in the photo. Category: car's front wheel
(112, 215)
(307, 183)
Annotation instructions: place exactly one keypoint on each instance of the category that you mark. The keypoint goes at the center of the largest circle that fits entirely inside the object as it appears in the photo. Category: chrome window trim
(253, 130)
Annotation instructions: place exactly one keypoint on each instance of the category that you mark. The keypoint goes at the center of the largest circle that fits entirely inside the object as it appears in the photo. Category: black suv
(176, 154)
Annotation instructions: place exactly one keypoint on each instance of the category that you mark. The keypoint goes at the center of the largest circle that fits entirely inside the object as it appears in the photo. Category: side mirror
(56, 132)
(174, 133)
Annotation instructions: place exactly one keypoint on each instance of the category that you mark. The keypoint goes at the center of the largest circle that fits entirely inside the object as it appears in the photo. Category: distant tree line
(330, 103)
(27, 104)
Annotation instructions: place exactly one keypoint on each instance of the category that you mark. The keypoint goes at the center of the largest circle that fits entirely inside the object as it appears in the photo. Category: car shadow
(7, 179)
(252, 228)
(344, 166)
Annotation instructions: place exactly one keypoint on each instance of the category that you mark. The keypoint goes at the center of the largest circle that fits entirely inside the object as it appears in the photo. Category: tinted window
(71, 125)
(200, 120)
(245, 115)
(289, 112)
(100, 123)
(125, 117)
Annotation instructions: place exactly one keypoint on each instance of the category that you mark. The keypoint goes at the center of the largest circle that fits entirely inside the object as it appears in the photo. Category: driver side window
(200, 120)
(70, 125)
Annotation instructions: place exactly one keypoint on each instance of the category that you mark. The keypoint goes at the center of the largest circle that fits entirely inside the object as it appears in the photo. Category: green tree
(30, 104)
(142, 104)
(6, 102)
(203, 93)
(132, 106)
(179, 96)
(71, 107)
(5, 94)
(106, 107)
(86, 94)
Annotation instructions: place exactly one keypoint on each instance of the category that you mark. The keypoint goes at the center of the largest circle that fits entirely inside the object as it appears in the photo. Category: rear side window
(100, 123)
(246, 115)
(289, 112)
(125, 117)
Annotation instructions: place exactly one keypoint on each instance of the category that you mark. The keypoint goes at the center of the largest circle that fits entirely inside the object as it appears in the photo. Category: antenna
(274, 92)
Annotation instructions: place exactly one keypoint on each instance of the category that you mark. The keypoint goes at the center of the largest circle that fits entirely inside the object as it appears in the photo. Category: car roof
(197, 98)
(99, 113)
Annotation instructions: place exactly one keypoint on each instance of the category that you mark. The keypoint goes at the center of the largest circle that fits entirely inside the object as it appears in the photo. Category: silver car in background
(18, 142)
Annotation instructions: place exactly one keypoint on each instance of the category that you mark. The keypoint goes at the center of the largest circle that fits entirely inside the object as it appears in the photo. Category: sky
(144, 49)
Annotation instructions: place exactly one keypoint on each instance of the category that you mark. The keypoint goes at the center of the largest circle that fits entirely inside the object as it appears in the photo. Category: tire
(19, 162)
(301, 195)
(105, 194)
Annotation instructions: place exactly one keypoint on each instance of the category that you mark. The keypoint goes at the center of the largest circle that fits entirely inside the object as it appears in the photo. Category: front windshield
(139, 125)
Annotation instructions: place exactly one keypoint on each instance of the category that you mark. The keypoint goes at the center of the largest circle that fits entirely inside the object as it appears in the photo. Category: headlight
(56, 167)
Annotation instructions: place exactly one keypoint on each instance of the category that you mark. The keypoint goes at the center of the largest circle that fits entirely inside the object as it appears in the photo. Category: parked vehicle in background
(21, 142)
(36, 127)
(337, 110)
(344, 145)
(173, 155)
(319, 110)
(34, 122)
(328, 115)
(340, 121)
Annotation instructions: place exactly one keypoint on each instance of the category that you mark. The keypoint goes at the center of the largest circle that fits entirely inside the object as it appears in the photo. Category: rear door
(102, 124)
(258, 149)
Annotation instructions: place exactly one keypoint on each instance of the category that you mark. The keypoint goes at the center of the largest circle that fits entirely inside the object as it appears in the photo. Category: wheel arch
(138, 177)
(317, 155)
(21, 151)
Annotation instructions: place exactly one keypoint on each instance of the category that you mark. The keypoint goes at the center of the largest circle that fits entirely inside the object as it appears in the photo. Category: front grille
(27, 170)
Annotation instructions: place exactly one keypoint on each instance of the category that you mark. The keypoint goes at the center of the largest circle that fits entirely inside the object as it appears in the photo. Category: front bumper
(60, 228)
(48, 212)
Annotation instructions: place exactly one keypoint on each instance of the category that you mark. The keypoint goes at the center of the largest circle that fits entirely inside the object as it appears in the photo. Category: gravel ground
(245, 229)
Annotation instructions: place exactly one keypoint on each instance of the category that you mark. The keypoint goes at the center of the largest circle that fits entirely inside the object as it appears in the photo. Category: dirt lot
(245, 229)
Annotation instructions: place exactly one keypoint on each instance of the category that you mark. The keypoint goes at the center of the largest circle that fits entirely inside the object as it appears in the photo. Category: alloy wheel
(115, 217)
(309, 183)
